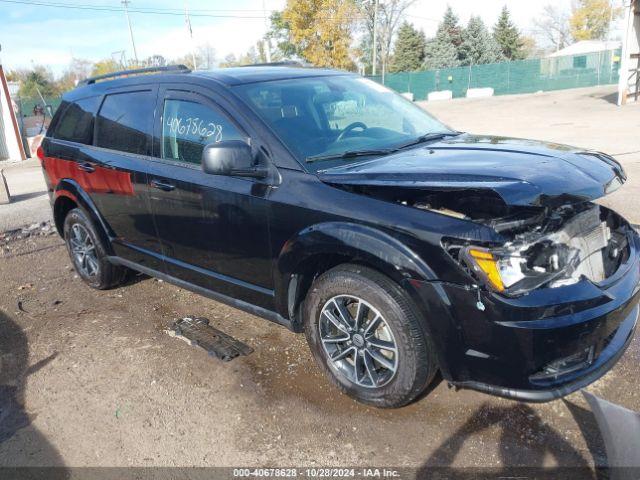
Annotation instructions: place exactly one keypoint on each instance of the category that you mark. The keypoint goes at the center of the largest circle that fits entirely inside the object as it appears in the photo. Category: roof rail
(283, 63)
(137, 71)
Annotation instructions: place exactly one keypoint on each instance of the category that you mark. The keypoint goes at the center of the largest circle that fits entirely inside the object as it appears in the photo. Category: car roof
(229, 77)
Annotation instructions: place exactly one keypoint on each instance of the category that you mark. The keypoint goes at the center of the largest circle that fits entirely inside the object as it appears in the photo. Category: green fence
(525, 76)
(28, 106)
(33, 118)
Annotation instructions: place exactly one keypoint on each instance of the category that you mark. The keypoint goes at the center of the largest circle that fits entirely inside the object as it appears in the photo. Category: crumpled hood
(521, 172)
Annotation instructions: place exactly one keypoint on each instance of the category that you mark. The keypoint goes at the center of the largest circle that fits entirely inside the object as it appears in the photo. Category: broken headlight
(515, 270)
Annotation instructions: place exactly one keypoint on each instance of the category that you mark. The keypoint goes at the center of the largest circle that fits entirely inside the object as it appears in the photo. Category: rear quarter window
(125, 122)
(77, 121)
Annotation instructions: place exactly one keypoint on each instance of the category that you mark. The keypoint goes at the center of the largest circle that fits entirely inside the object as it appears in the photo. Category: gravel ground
(90, 378)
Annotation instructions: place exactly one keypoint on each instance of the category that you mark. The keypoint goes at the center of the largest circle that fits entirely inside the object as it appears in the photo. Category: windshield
(326, 117)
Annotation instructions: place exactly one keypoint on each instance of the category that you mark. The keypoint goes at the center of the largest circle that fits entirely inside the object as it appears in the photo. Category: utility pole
(375, 38)
(188, 22)
(133, 43)
(612, 9)
(267, 40)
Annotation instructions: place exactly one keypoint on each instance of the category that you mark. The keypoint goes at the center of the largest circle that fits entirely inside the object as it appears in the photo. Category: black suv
(324, 202)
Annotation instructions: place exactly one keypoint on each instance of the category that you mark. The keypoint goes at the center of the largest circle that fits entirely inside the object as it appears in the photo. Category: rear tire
(387, 365)
(88, 253)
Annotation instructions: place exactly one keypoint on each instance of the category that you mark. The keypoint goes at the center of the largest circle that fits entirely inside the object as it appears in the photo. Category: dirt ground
(90, 378)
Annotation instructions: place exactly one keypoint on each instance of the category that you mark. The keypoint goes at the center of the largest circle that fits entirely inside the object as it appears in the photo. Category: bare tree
(78, 70)
(155, 61)
(206, 56)
(553, 26)
(390, 16)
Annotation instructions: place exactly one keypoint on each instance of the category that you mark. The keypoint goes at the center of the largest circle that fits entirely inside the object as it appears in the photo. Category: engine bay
(552, 245)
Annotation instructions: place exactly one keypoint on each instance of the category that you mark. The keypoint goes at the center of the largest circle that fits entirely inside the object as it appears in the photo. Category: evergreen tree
(442, 50)
(451, 25)
(508, 37)
(478, 46)
(408, 52)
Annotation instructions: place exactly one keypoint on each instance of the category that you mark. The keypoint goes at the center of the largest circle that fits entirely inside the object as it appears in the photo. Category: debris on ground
(35, 229)
(196, 331)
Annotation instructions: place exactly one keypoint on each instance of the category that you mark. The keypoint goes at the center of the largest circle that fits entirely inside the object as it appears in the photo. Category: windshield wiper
(427, 137)
(349, 154)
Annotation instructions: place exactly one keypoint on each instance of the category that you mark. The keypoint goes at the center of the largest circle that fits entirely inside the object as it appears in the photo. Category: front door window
(188, 126)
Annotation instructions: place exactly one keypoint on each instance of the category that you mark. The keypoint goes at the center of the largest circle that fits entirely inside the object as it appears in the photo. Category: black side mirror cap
(227, 156)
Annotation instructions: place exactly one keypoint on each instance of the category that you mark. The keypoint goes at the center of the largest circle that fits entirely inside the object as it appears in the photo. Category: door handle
(86, 167)
(167, 187)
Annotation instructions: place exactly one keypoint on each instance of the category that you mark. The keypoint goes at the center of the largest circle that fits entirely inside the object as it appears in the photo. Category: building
(10, 140)
(629, 84)
(587, 46)
(587, 58)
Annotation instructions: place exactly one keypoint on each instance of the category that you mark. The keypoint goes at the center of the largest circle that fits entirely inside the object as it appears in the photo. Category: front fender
(360, 243)
(71, 189)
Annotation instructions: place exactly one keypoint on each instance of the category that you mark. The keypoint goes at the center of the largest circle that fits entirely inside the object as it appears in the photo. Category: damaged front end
(542, 246)
(537, 198)
(553, 248)
(536, 293)
(551, 301)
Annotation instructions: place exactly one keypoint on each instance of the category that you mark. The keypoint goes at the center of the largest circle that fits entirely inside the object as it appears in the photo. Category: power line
(105, 8)
(157, 11)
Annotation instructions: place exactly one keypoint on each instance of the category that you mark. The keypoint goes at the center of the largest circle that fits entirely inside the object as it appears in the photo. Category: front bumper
(537, 347)
(583, 377)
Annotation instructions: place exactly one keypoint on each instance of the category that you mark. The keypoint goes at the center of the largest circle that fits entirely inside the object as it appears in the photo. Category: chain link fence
(34, 115)
(524, 76)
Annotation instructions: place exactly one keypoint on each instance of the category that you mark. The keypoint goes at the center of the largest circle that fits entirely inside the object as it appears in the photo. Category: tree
(154, 61)
(105, 66)
(530, 48)
(590, 19)
(78, 70)
(321, 30)
(408, 54)
(451, 26)
(261, 47)
(508, 37)
(442, 51)
(390, 13)
(553, 25)
(206, 56)
(37, 81)
(252, 56)
(478, 46)
(230, 61)
(279, 36)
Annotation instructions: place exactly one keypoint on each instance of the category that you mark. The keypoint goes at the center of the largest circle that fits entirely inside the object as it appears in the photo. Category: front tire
(365, 335)
(88, 253)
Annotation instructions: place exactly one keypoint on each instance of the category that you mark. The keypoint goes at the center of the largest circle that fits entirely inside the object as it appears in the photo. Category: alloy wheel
(358, 341)
(83, 250)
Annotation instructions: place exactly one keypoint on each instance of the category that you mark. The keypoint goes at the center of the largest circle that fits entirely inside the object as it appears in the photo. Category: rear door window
(187, 126)
(76, 124)
(125, 122)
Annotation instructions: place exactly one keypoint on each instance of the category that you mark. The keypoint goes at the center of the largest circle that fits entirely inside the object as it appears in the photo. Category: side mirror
(232, 158)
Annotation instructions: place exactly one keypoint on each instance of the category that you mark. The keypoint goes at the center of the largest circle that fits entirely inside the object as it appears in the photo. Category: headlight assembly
(519, 270)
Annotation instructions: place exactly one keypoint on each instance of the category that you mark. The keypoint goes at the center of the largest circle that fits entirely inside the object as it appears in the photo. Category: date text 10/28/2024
(317, 472)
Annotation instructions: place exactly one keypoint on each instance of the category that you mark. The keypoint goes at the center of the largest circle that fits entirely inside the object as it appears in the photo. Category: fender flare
(362, 243)
(378, 250)
(71, 189)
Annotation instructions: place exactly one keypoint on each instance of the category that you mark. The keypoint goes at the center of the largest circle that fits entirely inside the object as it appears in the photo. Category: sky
(51, 36)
